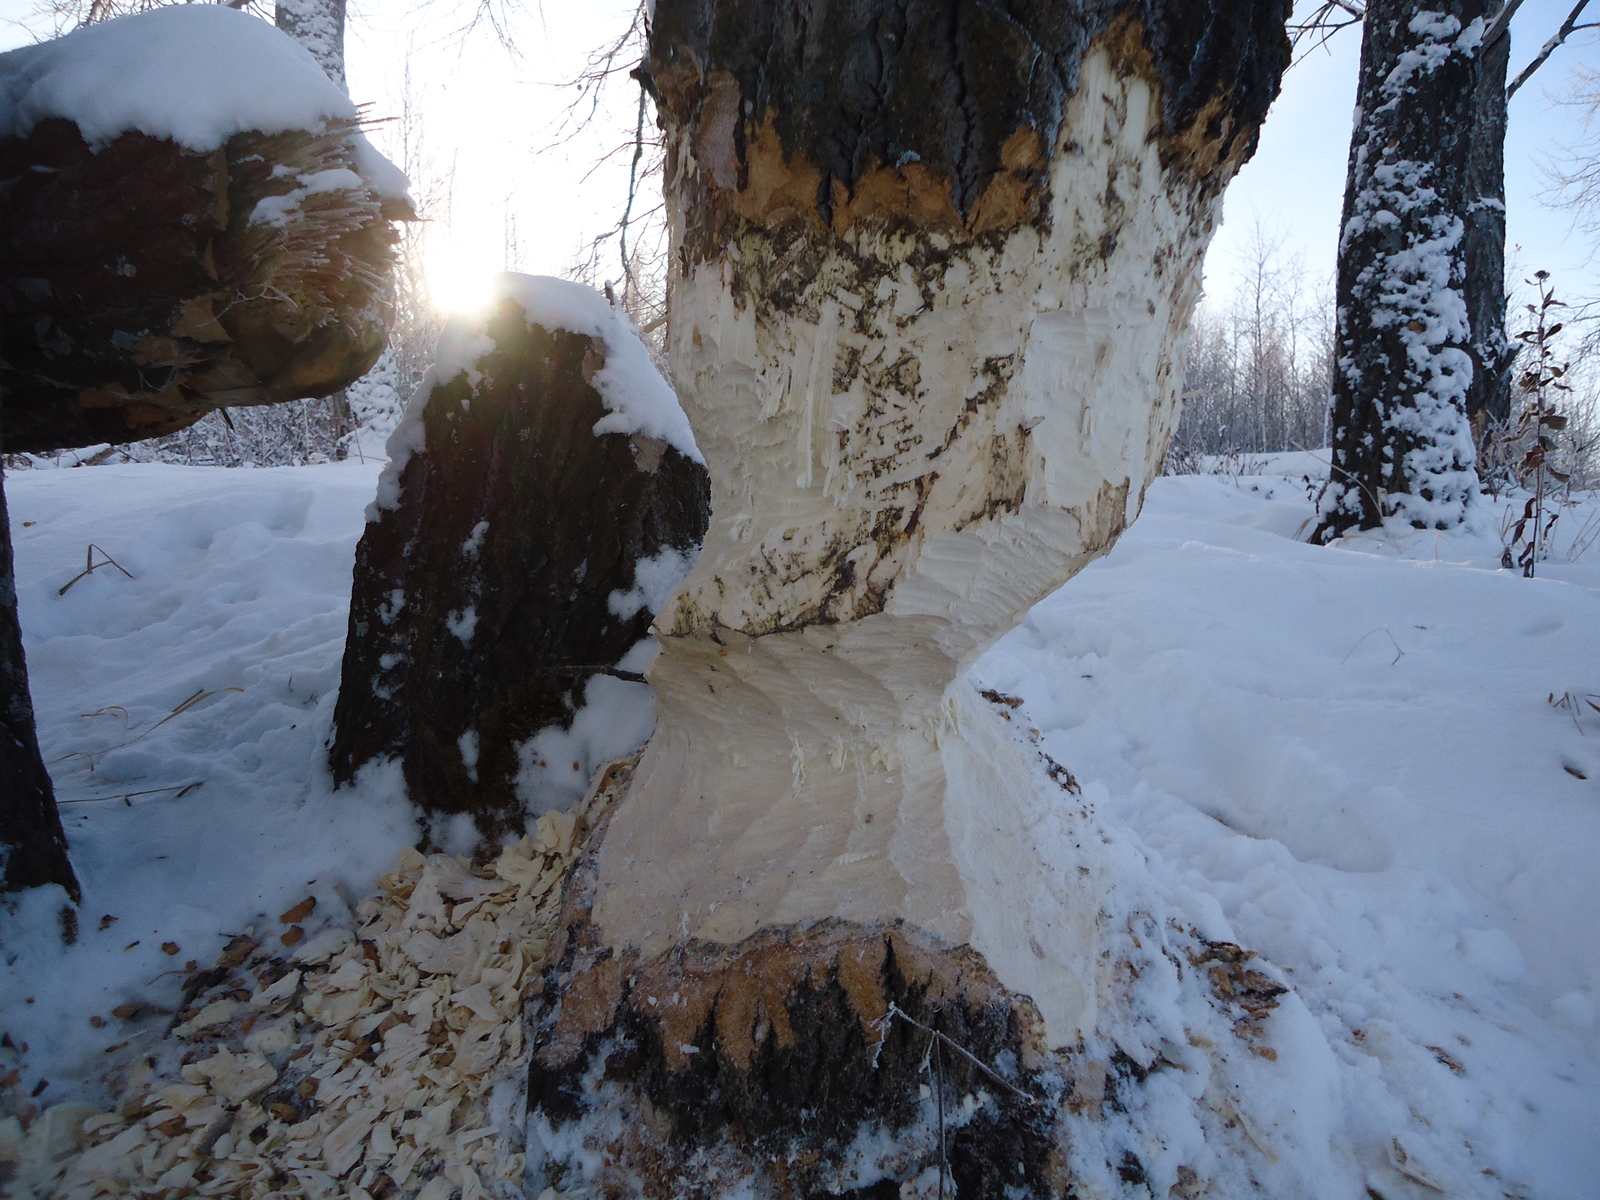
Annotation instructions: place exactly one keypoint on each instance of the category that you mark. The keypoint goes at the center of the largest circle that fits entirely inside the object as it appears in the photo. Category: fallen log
(190, 219)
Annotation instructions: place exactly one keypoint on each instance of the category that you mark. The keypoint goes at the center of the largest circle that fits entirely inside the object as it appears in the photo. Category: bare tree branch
(1498, 26)
(1568, 28)
(1323, 23)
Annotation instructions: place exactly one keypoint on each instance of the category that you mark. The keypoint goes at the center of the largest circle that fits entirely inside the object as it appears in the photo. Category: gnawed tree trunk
(33, 847)
(513, 551)
(1405, 369)
(932, 269)
(318, 25)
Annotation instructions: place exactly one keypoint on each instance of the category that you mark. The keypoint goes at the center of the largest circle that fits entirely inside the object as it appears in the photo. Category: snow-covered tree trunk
(318, 25)
(33, 848)
(1402, 442)
(933, 264)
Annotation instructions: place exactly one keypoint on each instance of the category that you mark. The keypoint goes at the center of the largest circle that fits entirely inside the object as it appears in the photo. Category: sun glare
(459, 282)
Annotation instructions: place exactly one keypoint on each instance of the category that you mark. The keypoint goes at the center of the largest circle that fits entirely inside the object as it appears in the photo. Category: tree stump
(508, 558)
(932, 268)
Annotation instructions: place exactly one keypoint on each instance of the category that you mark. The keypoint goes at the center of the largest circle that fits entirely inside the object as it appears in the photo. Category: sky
(508, 192)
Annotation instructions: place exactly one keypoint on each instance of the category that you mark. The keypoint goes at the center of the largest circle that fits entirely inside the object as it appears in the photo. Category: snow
(653, 582)
(193, 74)
(1345, 759)
(637, 399)
(217, 665)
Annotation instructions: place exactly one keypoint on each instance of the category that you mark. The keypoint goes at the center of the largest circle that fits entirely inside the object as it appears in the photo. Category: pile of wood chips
(378, 1062)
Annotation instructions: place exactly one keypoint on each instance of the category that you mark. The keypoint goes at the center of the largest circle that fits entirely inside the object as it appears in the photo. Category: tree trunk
(318, 25)
(500, 571)
(1489, 396)
(33, 848)
(933, 265)
(1417, 214)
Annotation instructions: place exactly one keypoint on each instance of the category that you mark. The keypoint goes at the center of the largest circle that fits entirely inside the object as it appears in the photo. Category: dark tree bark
(1419, 212)
(1489, 396)
(33, 847)
(932, 263)
(481, 602)
(137, 293)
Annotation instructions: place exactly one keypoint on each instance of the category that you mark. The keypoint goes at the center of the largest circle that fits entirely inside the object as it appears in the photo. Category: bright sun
(460, 281)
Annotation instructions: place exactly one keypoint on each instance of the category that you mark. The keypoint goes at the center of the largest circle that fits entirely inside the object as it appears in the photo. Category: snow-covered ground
(1345, 759)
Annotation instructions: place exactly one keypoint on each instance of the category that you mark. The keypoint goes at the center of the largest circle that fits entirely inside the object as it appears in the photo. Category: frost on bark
(932, 268)
(1419, 212)
(143, 285)
(498, 571)
(318, 25)
(33, 848)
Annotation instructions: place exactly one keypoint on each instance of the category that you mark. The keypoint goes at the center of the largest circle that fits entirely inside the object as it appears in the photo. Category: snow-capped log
(542, 479)
(33, 847)
(190, 219)
(932, 268)
(1423, 206)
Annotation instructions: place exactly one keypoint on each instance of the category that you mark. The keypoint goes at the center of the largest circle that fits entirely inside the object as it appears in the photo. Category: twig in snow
(90, 567)
(183, 789)
(1398, 653)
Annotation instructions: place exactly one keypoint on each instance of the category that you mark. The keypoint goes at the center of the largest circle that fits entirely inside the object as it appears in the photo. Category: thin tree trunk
(1489, 396)
(33, 848)
(933, 264)
(1402, 445)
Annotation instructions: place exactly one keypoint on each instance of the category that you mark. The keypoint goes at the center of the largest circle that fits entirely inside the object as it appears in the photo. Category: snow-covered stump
(1414, 222)
(544, 493)
(190, 219)
(33, 847)
(932, 269)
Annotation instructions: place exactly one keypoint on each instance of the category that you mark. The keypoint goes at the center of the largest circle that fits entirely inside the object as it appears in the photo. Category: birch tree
(932, 268)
